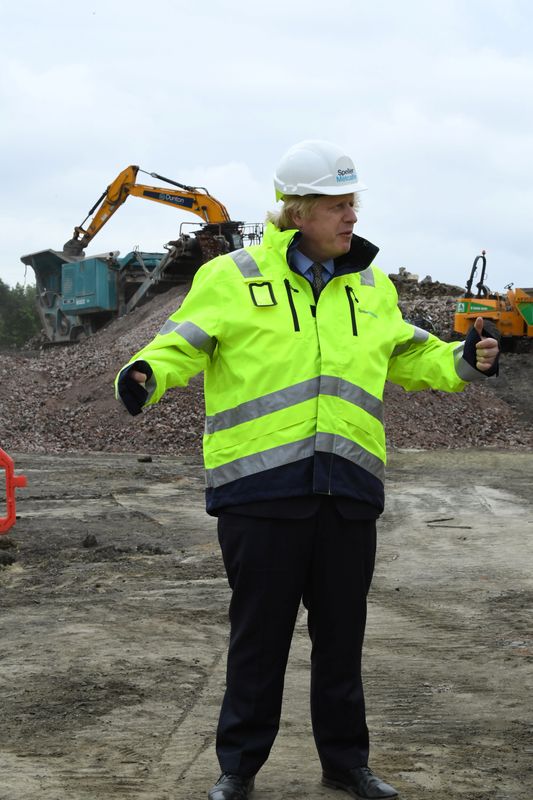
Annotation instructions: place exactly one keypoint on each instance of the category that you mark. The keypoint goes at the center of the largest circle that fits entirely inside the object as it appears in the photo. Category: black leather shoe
(231, 787)
(360, 783)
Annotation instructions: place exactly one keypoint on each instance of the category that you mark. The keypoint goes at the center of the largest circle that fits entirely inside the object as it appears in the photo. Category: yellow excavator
(188, 198)
(512, 312)
(76, 296)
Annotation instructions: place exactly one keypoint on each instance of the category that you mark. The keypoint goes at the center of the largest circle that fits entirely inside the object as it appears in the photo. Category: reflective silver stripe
(367, 277)
(464, 370)
(291, 396)
(419, 336)
(338, 387)
(246, 264)
(259, 462)
(192, 334)
(267, 404)
(169, 327)
(340, 446)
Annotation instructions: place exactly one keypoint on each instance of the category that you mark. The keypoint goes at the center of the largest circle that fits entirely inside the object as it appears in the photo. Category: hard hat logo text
(345, 175)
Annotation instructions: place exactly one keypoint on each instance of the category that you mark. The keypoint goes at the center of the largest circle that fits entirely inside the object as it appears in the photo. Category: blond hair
(294, 205)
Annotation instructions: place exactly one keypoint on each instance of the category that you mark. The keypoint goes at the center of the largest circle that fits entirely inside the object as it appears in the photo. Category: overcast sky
(433, 100)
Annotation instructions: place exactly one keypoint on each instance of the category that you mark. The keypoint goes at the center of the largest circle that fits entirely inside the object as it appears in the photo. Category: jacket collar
(361, 254)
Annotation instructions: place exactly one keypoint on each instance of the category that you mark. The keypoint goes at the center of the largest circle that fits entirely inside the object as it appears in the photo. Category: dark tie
(318, 280)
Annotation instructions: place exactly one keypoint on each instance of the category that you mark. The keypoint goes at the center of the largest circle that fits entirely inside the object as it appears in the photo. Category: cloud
(432, 100)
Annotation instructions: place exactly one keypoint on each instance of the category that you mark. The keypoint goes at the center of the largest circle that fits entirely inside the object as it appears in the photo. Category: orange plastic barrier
(12, 482)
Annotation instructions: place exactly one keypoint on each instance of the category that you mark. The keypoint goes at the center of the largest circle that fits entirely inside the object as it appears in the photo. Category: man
(296, 337)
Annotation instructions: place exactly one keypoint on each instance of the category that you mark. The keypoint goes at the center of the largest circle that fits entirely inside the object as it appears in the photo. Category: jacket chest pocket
(293, 307)
(262, 294)
(363, 312)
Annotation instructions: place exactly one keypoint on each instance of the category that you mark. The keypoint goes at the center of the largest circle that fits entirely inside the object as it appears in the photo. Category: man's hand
(487, 349)
(140, 377)
(131, 386)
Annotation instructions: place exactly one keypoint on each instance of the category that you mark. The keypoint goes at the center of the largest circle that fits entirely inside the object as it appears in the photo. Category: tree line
(19, 320)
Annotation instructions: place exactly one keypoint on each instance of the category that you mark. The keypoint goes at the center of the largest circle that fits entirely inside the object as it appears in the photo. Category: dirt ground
(113, 634)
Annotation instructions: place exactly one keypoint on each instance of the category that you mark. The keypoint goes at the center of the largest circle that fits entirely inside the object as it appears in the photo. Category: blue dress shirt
(303, 265)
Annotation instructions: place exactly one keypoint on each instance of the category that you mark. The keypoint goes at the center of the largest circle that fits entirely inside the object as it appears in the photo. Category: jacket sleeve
(186, 342)
(420, 360)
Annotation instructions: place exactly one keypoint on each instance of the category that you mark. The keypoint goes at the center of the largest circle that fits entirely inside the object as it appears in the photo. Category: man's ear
(297, 220)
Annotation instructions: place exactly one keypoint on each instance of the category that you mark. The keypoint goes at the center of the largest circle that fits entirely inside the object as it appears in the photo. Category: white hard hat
(316, 167)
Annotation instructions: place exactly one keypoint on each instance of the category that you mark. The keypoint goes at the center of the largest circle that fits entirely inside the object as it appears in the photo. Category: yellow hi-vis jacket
(294, 388)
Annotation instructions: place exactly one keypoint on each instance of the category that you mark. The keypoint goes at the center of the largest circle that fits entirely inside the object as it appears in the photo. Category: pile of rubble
(61, 399)
(427, 303)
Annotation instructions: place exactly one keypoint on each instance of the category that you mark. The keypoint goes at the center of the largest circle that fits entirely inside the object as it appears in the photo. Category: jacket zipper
(351, 297)
(290, 290)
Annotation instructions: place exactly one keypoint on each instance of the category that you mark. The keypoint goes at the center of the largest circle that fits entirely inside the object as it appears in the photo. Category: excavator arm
(197, 201)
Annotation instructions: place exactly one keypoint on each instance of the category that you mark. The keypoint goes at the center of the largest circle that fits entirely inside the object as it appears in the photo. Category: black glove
(133, 394)
(469, 351)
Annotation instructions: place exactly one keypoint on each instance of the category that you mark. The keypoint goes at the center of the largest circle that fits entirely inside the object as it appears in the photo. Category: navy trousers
(273, 564)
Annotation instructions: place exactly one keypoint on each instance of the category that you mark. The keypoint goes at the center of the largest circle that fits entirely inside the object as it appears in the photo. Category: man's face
(327, 231)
